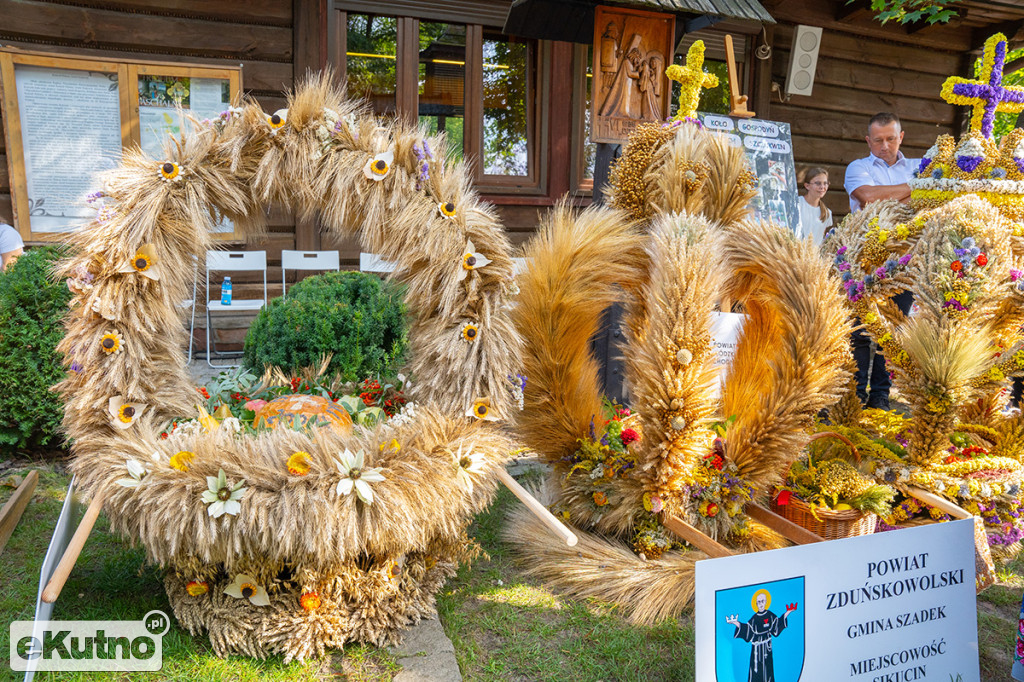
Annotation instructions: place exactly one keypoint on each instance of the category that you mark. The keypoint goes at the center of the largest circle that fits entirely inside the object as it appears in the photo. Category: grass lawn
(503, 626)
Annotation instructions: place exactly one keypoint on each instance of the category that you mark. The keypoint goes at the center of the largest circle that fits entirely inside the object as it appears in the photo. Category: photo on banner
(166, 102)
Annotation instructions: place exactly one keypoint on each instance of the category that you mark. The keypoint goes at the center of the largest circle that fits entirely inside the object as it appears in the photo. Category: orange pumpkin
(305, 409)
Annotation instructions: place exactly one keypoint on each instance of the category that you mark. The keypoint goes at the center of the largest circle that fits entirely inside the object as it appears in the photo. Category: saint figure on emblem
(759, 631)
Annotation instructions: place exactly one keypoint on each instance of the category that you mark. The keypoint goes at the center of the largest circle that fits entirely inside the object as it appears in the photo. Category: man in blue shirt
(883, 174)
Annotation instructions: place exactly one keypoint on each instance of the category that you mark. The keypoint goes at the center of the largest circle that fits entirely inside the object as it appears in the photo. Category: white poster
(71, 132)
(164, 103)
(889, 607)
(725, 335)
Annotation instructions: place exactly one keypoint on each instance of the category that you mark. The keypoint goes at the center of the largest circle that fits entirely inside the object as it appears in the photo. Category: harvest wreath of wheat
(295, 564)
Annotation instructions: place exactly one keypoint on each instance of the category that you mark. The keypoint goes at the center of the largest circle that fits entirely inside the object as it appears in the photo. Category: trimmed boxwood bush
(356, 317)
(32, 306)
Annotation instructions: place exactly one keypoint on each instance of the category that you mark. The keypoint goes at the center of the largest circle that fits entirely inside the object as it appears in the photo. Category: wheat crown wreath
(291, 541)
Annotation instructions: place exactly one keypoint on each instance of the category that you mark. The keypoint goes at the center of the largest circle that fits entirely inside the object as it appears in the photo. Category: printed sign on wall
(898, 605)
(769, 149)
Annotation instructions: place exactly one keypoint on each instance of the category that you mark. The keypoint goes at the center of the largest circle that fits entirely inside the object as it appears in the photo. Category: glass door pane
(371, 60)
(442, 80)
(508, 103)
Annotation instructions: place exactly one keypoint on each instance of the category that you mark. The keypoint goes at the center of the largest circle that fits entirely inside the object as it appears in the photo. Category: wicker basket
(827, 523)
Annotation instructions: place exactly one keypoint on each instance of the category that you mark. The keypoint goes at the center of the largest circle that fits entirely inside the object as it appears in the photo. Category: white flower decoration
(136, 471)
(124, 413)
(353, 475)
(468, 465)
(245, 587)
(471, 260)
(379, 166)
(223, 497)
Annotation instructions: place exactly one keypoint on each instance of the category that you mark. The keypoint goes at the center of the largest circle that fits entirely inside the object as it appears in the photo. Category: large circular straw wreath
(292, 541)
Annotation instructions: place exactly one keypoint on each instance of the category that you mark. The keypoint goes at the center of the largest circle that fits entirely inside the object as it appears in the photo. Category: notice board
(769, 149)
(69, 119)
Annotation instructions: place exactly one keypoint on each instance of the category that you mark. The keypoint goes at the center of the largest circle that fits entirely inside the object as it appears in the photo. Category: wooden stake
(940, 503)
(74, 548)
(539, 510)
(694, 536)
(737, 102)
(781, 524)
(15, 507)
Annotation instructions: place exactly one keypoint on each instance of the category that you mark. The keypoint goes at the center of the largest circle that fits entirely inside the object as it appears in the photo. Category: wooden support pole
(694, 536)
(67, 562)
(781, 524)
(15, 507)
(539, 510)
(939, 503)
(737, 102)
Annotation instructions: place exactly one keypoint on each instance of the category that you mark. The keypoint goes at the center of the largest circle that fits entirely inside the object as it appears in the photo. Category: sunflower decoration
(471, 260)
(447, 209)
(481, 409)
(144, 262)
(110, 343)
(470, 332)
(277, 120)
(170, 172)
(245, 587)
(123, 412)
(379, 166)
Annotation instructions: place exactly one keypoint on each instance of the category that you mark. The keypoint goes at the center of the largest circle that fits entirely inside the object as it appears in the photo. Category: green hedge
(356, 317)
(32, 306)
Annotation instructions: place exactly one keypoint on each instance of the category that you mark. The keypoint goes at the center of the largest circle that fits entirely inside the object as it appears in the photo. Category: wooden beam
(311, 22)
(694, 536)
(560, 119)
(1007, 28)
(74, 548)
(848, 9)
(762, 69)
(15, 507)
(780, 524)
(538, 509)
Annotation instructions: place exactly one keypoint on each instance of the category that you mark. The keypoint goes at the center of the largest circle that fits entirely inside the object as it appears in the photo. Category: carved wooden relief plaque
(632, 48)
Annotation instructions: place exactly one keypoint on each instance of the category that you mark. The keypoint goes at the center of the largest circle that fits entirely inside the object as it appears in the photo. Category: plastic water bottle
(225, 292)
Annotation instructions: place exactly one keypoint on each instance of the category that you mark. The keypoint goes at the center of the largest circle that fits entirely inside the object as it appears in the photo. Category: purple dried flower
(842, 250)
(904, 259)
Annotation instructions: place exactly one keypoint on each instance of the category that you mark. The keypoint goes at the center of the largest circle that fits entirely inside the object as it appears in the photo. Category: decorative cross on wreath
(987, 95)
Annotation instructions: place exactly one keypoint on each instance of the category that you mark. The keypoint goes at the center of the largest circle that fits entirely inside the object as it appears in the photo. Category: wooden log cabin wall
(273, 41)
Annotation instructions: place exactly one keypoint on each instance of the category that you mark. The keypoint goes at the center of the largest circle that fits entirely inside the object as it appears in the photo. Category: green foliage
(32, 306)
(912, 11)
(355, 317)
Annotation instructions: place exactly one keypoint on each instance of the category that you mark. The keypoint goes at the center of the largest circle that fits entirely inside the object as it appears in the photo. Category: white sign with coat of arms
(889, 607)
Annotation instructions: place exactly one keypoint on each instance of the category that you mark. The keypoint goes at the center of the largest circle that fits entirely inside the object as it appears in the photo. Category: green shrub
(32, 306)
(356, 317)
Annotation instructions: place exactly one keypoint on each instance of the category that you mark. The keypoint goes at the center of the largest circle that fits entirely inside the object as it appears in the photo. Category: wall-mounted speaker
(803, 60)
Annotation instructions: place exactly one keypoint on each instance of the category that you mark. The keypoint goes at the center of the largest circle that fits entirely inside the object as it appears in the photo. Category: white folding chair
(307, 260)
(191, 303)
(232, 261)
(371, 262)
